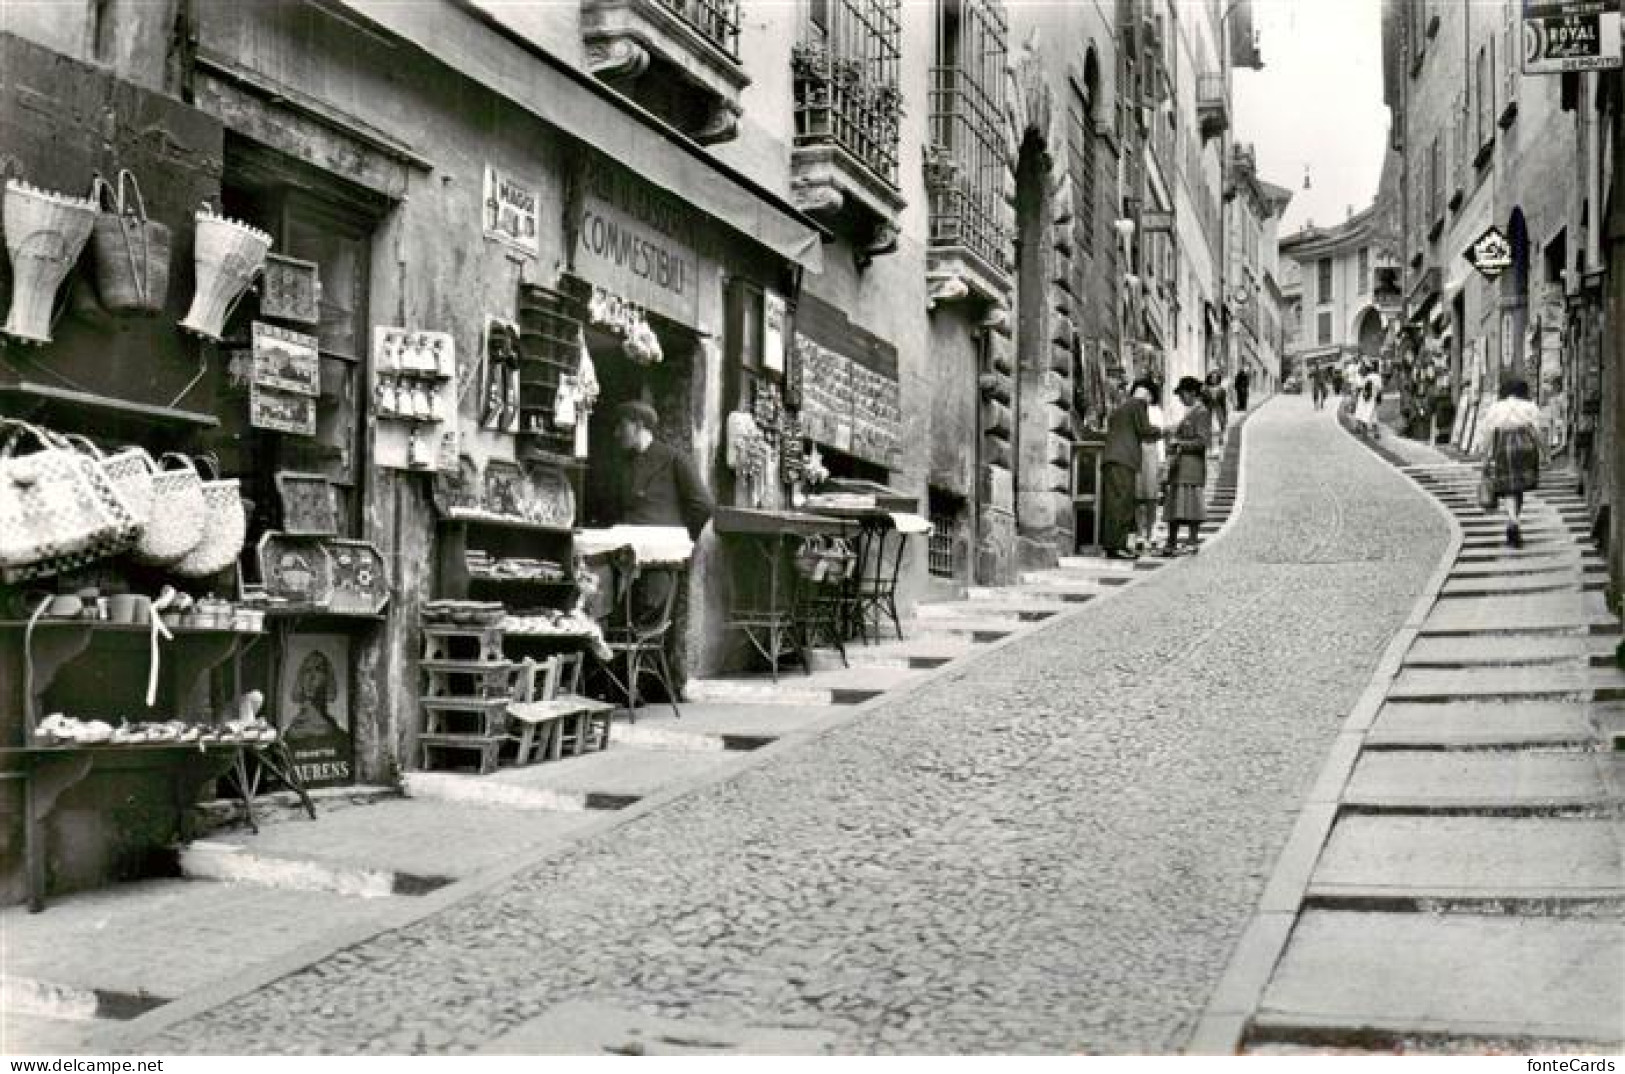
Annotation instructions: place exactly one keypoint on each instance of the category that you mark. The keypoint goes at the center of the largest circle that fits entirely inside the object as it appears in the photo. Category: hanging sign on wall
(511, 211)
(1570, 35)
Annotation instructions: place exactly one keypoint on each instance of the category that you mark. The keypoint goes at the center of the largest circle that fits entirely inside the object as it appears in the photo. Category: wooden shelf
(461, 514)
(47, 397)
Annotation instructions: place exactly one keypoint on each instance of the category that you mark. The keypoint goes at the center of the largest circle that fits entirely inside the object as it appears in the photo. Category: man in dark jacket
(654, 485)
(1242, 383)
(1127, 427)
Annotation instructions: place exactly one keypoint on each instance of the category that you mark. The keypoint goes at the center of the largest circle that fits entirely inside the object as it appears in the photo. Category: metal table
(769, 604)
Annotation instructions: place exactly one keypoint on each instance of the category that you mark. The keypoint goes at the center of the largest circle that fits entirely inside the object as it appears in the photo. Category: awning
(480, 44)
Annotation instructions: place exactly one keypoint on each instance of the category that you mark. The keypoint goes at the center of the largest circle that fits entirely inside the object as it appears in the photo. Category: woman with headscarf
(1512, 461)
(1187, 466)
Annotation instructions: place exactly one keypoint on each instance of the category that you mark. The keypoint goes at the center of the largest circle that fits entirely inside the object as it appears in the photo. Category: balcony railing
(842, 101)
(715, 20)
(964, 169)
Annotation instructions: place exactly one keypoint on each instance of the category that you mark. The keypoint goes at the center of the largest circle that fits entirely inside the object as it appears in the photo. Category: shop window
(313, 217)
(965, 173)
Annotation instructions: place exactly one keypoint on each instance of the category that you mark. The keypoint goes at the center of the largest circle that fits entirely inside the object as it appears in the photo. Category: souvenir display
(297, 570)
(227, 255)
(309, 505)
(414, 394)
(45, 231)
(130, 253)
(360, 578)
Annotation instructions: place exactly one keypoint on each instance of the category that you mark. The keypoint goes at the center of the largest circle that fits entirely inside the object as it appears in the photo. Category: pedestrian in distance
(1153, 456)
(1337, 382)
(1217, 402)
(1317, 387)
(1512, 462)
(1127, 428)
(1187, 466)
(1367, 395)
(1243, 383)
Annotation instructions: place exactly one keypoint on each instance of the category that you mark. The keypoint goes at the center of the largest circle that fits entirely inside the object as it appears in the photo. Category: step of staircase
(1021, 612)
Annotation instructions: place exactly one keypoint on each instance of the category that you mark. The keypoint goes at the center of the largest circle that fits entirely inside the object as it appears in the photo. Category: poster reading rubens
(313, 707)
(511, 211)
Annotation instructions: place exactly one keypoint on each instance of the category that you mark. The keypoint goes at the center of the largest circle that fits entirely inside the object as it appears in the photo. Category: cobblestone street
(1050, 849)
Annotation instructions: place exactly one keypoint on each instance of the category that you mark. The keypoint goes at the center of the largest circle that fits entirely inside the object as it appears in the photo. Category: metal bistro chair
(638, 648)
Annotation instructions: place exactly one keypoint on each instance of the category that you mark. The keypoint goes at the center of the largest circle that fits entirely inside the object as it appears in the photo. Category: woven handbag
(58, 507)
(175, 523)
(130, 469)
(224, 528)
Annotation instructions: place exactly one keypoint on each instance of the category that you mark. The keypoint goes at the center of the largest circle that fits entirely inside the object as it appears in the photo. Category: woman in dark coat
(1187, 466)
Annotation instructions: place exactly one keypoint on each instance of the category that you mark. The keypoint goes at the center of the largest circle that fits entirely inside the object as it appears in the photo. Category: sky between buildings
(1316, 103)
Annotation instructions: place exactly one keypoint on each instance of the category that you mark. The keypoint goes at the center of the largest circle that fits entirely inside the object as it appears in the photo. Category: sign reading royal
(1571, 35)
(638, 242)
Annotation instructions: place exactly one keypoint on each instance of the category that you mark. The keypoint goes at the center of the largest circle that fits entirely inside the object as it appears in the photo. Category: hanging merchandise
(642, 345)
(45, 232)
(792, 462)
(175, 523)
(613, 313)
(58, 508)
(499, 407)
(224, 528)
(130, 252)
(792, 377)
(130, 470)
(227, 255)
(766, 408)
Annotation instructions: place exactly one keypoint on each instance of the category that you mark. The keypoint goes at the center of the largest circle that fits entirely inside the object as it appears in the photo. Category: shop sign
(639, 243)
(1490, 253)
(313, 707)
(1571, 35)
(511, 211)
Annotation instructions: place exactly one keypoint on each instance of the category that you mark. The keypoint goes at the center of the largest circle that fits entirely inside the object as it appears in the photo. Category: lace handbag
(224, 528)
(175, 523)
(58, 507)
(130, 469)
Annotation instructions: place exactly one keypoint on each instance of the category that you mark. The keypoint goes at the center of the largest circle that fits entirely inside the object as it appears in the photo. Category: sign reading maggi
(638, 242)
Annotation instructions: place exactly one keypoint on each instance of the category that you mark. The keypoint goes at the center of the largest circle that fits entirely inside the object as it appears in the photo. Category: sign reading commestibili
(1571, 35)
(639, 242)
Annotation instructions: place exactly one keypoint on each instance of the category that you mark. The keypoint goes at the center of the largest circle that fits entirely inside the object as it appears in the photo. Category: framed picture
(309, 505)
(280, 411)
(313, 707)
(773, 318)
(291, 290)
(285, 360)
(360, 578)
(297, 569)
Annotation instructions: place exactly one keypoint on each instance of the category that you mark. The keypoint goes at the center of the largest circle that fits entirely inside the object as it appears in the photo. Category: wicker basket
(225, 527)
(58, 508)
(175, 523)
(130, 252)
(44, 234)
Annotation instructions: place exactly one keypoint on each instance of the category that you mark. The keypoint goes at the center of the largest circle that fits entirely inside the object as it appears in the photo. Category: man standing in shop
(654, 485)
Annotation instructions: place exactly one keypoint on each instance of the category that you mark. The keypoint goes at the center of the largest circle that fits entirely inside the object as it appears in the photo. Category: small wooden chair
(553, 719)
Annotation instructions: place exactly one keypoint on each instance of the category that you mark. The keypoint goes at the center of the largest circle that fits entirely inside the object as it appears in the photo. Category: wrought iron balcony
(848, 111)
(1212, 104)
(679, 58)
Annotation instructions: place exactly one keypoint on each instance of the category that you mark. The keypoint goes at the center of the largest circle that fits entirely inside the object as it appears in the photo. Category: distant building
(1337, 311)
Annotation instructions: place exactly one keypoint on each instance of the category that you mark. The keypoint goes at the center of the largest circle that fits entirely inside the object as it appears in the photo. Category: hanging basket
(228, 255)
(58, 508)
(175, 523)
(130, 252)
(224, 528)
(130, 470)
(45, 232)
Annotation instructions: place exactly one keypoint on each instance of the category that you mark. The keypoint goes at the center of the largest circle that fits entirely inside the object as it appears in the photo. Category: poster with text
(313, 707)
